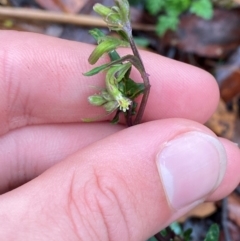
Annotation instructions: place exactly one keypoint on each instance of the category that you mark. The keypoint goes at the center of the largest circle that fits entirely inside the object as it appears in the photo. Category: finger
(42, 82)
(231, 178)
(123, 190)
(27, 152)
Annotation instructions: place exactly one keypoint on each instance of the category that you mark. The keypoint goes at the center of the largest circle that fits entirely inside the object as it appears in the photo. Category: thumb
(127, 186)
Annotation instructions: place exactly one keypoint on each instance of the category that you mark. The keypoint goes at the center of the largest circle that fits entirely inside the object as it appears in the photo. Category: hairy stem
(144, 77)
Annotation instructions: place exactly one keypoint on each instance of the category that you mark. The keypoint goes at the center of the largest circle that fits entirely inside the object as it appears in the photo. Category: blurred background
(203, 33)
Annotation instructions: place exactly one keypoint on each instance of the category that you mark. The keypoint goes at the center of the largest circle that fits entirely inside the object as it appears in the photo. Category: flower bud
(106, 95)
(111, 106)
(111, 17)
(124, 103)
(124, 10)
(96, 100)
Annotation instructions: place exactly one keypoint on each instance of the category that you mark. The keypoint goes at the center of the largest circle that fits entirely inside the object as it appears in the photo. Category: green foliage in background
(177, 233)
(213, 233)
(168, 12)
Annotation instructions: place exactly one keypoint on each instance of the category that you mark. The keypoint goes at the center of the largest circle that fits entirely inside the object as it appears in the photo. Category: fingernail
(191, 166)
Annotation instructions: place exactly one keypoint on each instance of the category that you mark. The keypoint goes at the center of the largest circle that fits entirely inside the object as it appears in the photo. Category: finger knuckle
(100, 207)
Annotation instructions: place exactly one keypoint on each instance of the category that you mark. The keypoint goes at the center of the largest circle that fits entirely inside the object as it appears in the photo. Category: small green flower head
(123, 103)
(110, 16)
(111, 106)
(112, 98)
(114, 75)
(124, 10)
(117, 17)
(96, 100)
(106, 95)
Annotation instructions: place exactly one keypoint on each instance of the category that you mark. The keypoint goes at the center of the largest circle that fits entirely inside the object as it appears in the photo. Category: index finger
(42, 82)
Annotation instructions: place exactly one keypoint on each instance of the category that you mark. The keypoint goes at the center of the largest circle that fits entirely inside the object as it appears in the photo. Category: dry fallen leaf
(201, 211)
(70, 6)
(223, 122)
(209, 38)
(230, 87)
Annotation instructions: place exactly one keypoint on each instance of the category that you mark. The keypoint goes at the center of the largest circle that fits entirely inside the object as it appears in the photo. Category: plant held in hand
(121, 91)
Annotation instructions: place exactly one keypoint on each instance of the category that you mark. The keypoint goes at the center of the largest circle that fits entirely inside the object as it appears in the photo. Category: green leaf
(176, 7)
(117, 72)
(152, 239)
(164, 232)
(124, 10)
(202, 8)
(176, 228)
(107, 45)
(187, 234)
(114, 55)
(123, 35)
(166, 23)
(213, 233)
(184, 4)
(133, 89)
(141, 41)
(97, 34)
(154, 6)
(115, 119)
(169, 7)
(96, 70)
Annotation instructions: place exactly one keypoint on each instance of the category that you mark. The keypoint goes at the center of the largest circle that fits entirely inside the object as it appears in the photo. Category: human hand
(99, 181)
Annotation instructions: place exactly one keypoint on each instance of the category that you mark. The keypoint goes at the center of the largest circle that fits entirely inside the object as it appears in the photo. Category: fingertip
(232, 176)
(179, 90)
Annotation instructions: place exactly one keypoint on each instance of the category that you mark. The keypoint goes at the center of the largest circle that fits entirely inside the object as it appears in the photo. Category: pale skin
(92, 181)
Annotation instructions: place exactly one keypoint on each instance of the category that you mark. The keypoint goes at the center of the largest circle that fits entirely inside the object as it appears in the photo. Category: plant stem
(129, 117)
(144, 77)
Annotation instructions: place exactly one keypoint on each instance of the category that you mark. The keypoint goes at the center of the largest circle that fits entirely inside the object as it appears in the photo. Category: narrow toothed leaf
(96, 70)
(103, 67)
